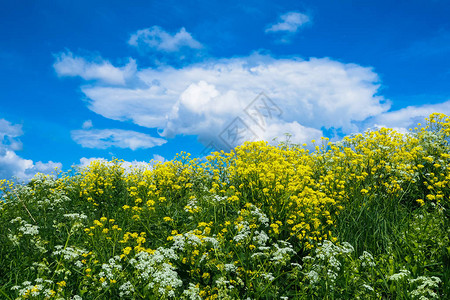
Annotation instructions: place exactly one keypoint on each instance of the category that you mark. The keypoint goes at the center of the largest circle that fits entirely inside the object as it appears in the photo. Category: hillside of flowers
(363, 218)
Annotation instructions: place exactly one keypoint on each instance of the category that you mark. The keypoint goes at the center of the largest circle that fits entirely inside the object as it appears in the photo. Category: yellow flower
(61, 283)
(167, 219)
(98, 223)
(431, 197)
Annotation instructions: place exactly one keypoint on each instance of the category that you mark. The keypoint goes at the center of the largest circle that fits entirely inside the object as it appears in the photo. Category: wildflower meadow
(363, 218)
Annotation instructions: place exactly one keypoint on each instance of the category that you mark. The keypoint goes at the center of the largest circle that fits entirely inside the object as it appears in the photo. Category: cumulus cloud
(8, 136)
(156, 38)
(105, 138)
(12, 165)
(204, 98)
(407, 117)
(68, 65)
(288, 25)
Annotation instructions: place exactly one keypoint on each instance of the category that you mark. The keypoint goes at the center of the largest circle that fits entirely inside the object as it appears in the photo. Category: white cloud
(12, 165)
(84, 161)
(203, 98)
(127, 165)
(87, 124)
(105, 138)
(289, 22)
(68, 65)
(158, 158)
(156, 38)
(407, 117)
(299, 134)
(8, 136)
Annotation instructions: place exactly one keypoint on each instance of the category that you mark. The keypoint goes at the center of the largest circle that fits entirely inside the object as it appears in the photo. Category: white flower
(75, 216)
(367, 287)
(313, 276)
(282, 255)
(156, 268)
(398, 276)
(69, 253)
(426, 288)
(260, 238)
(192, 293)
(367, 260)
(229, 267)
(268, 276)
(126, 289)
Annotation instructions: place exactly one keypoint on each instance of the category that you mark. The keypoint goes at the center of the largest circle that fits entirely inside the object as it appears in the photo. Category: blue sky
(142, 80)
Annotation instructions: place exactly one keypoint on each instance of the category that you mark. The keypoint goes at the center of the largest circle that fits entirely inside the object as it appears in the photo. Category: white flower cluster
(325, 263)
(218, 199)
(225, 286)
(244, 231)
(260, 238)
(110, 270)
(39, 288)
(157, 269)
(400, 275)
(267, 276)
(69, 253)
(313, 277)
(192, 205)
(180, 240)
(76, 217)
(213, 241)
(57, 196)
(282, 254)
(25, 228)
(192, 293)
(229, 268)
(425, 288)
(262, 218)
(126, 289)
(14, 239)
(367, 260)
(368, 287)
